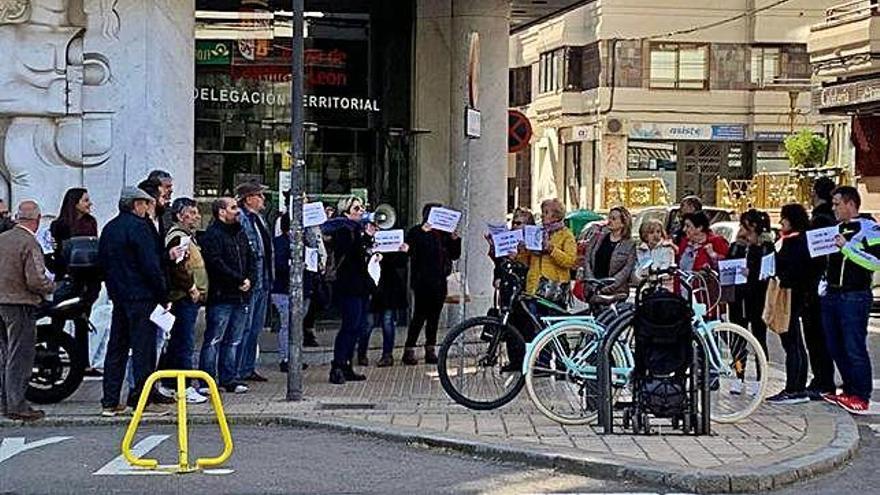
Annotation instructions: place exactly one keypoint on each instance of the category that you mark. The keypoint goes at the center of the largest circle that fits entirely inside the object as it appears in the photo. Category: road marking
(13, 446)
(119, 466)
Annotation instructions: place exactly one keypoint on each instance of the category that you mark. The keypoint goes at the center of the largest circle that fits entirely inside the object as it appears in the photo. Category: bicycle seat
(600, 283)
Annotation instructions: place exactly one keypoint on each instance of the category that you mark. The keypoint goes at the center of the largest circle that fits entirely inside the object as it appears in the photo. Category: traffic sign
(519, 131)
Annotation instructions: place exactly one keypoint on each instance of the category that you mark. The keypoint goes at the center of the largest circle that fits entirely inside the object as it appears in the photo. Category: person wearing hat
(251, 201)
(25, 285)
(132, 265)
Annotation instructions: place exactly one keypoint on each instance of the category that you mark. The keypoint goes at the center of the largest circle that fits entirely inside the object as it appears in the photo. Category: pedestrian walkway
(777, 444)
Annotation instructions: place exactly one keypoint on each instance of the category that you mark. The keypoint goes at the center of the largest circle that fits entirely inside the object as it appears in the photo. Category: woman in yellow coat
(550, 270)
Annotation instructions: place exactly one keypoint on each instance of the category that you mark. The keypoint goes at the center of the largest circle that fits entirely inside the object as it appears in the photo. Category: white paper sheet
(821, 241)
(768, 266)
(388, 241)
(311, 259)
(496, 228)
(732, 272)
(444, 219)
(162, 318)
(374, 268)
(507, 243)
(314, 214)
(184, 248)
(534, 237)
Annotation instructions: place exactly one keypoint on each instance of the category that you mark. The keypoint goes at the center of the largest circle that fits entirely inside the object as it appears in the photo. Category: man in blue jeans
(846, 303)
(252, 202)
(188, 290)
(227, 255)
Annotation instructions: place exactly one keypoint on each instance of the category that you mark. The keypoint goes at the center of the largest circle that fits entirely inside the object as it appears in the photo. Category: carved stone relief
(42, 81)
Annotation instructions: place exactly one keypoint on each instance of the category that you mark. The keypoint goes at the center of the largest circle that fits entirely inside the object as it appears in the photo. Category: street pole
(297, 312)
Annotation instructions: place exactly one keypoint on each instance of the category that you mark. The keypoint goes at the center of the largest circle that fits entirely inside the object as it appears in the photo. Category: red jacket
(719, 245)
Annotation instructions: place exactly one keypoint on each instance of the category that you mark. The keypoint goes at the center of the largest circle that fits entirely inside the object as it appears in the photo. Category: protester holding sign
(431, 253)
(846, 303)
(791, 260)
(550, 269)
(747, 307)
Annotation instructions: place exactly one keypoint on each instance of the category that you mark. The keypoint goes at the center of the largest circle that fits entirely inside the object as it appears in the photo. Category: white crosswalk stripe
(119, 466)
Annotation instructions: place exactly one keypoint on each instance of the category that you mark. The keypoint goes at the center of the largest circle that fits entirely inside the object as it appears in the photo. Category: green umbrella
(577, 219)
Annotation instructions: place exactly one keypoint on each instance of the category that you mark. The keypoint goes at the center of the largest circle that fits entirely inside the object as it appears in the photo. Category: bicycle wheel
(561, 373)
(480, 363)
(738, 371)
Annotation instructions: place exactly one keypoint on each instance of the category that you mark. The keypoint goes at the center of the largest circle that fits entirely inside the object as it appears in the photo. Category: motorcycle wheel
(58, 368)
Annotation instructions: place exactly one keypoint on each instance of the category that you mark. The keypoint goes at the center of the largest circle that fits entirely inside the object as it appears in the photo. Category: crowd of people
(152, 255)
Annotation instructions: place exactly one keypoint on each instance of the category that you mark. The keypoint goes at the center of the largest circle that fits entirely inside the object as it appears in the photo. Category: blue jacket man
(131, 261)
(252, 201)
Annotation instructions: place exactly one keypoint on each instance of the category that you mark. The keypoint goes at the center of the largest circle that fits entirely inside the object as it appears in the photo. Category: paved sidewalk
(776, 445)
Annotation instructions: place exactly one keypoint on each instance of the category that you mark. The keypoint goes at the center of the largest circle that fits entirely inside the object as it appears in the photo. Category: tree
(805, 149)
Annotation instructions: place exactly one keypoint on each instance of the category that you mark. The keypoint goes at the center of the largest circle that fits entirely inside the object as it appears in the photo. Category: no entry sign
(519, 131)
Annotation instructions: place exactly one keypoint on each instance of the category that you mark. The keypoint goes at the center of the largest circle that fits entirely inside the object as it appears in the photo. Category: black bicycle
(480, 360)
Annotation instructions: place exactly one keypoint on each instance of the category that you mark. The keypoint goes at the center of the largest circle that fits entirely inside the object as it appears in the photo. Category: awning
(526, 12)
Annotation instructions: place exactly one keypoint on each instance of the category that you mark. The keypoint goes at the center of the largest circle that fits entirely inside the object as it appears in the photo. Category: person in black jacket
(390, 298)
(431, 255)
(747, 308)
(791, 259)
(227, 255)
(351, 243)
(814, 334)
(132, 265)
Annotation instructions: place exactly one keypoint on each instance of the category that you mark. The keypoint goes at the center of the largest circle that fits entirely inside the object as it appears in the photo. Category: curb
(842, 446)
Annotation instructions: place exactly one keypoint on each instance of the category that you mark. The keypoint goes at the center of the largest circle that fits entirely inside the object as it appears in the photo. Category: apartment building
(682, 90)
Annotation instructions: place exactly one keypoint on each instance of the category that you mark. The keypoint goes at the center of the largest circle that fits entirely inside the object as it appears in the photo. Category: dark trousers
(387, 320)
(179, 353)
(748, 312)
(130, 329)
(817, 347)
(845, 320)
(795, 356)
(428, 304)
(355, 318)
(18, 334)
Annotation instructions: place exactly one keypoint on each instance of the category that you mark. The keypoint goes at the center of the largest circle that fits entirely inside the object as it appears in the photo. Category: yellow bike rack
(183, 465)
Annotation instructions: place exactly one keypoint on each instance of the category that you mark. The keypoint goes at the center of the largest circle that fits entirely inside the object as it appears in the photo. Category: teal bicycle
(561, 364)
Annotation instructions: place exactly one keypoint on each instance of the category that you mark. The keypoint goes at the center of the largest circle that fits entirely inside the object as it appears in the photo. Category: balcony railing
(849, 12)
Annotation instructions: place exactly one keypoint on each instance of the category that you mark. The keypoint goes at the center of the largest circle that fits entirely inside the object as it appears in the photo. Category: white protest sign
(311, 259)
(162, 318)
(388, 241)
(768, 266)
(496, 228)
(821, 241)
(507, 243)
(732, 272)
(183, 248)
(374, 269)
(444, 219)
(534, 237)
(314, 214)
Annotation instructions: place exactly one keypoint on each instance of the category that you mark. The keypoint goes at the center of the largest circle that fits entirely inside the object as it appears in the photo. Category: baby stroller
(668, 376)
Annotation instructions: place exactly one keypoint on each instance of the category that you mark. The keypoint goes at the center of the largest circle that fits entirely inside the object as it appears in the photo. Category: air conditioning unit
(615, 126)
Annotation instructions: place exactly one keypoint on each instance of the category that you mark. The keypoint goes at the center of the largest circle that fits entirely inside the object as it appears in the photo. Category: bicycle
(561, 365)
(479, 360)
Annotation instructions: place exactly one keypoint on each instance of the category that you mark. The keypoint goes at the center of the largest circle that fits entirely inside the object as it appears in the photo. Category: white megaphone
(384, 217)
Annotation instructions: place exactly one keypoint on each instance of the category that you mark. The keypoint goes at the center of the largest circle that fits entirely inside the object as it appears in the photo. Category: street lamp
(295, 334)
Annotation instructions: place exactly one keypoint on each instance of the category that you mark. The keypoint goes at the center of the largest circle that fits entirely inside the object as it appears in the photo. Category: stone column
(487, 155)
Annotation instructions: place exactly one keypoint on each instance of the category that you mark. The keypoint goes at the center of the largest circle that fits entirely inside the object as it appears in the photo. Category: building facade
(611, 95)
(844, 50)
(97, 93)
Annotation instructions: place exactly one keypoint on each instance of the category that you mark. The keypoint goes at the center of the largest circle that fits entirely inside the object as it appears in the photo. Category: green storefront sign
(213, 53)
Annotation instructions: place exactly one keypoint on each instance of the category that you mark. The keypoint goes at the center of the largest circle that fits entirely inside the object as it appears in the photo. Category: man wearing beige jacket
(24, 286)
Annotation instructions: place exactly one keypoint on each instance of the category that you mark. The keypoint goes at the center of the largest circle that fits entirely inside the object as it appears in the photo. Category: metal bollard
(183, 465)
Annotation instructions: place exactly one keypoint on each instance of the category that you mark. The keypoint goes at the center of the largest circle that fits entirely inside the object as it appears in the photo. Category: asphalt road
(267, 460)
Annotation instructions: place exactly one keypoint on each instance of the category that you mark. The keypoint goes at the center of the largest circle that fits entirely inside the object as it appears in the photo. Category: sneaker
(788, 398)
(193, 397)
(236, 388)
(93, 372)
(111, 412)
(166, 392)
(204, 391)
(256, 377)
(753, 388)
(853, 404)
(155, 410)
(816, 395)
(832, 398)
(736, 387)
(385, 361)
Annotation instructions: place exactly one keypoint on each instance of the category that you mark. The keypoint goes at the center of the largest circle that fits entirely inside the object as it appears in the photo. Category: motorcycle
(61, 358)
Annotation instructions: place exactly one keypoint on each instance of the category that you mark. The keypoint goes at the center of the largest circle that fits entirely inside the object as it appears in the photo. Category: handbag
(777, 307)
(551, 290)
(453, 289)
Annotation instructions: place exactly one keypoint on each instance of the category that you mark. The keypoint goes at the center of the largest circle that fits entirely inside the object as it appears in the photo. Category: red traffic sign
(519, 131)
